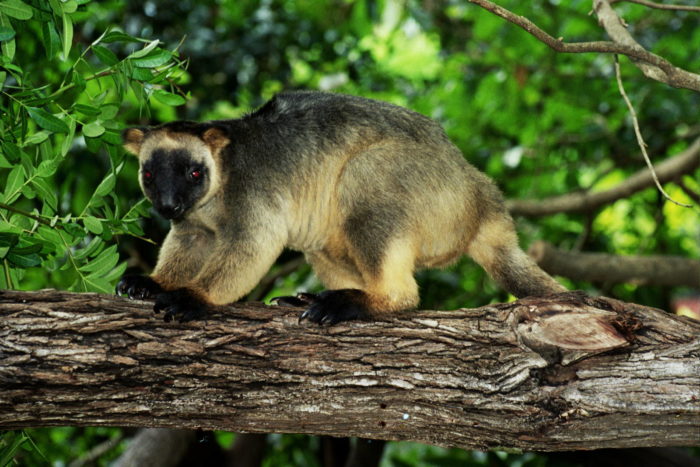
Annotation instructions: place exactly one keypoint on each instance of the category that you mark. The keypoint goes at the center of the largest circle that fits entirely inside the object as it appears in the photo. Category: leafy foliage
(60, 142)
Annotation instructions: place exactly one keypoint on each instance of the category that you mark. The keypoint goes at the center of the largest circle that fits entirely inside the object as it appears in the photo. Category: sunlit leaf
(16, 9)
(93, 225)
(168, 98)
(67, 35)
(93, 129)
(156, 58)
(146, 49)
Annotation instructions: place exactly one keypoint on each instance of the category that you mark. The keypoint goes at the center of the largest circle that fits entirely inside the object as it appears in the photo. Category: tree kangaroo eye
(196, 175)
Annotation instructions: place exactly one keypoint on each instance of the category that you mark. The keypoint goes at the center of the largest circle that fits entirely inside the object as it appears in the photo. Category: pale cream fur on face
(198, 149)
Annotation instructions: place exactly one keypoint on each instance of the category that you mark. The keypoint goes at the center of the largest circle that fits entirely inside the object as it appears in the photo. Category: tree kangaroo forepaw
(298, 300)
(181, 305)
(136, 286)
(334, 306)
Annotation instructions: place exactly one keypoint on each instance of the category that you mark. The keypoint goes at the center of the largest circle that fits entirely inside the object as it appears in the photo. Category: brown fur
(368, 191)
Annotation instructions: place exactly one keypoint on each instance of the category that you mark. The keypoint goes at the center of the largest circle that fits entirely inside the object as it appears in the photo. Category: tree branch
(683, 163)
(558, 373)
(656, 67)
(660, 6)
(671, 271)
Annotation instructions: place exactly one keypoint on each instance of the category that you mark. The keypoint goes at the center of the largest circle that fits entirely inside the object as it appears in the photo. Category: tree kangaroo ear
(133, 137)
(215, 138)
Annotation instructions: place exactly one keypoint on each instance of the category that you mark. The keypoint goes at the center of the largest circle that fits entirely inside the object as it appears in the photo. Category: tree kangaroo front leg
(233, 268)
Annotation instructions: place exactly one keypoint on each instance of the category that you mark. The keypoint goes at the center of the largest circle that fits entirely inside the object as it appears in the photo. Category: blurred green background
(74, 73)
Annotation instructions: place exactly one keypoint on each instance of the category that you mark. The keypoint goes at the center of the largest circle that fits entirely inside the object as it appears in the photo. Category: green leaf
(115, 274)
(112, 137)
(93, 129)
(52, 43)
(68, 141)
(14, 182)
(24, 261)
(46, 193)
(47, 121)
(103, 262)
(146, 49)
(8, 47)
(70, 6)
(56, 7)
(36, 138)
(98, 284)
(168, 98)
(85, 109)
(141, 74)
(88, 250)
(106, 185)
(118, 36)
(27, 249)
(157, 58)
(93, 225)
(4, 163)
(109, 111)
(47, 168)
(105, 55)
(16, 9)
(67, 35)
(6, 33)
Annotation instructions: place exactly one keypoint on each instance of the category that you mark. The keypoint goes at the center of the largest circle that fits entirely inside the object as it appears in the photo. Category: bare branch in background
(672, 271)
(587, 201)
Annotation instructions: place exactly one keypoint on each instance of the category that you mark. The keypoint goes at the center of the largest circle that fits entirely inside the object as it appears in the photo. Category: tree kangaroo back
(367, 190)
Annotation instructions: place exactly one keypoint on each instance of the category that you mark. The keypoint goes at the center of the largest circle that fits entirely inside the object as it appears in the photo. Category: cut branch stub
(564, 333)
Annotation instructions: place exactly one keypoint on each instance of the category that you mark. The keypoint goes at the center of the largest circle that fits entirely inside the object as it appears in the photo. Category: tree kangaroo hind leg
(495, 248)
(387, 287)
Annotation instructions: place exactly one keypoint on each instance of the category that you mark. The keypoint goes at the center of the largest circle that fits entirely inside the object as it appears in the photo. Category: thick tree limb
(586, 201)
(559, 373)
(652, 65)
(672, 271)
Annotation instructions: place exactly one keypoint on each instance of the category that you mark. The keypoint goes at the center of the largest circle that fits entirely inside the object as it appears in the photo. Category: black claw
(138, 287)
(181, 305)
(298, 300)
(334, 306)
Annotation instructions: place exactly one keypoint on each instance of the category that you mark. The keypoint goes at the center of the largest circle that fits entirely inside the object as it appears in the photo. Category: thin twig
(660, 6)
(640, 139)
(692, 194)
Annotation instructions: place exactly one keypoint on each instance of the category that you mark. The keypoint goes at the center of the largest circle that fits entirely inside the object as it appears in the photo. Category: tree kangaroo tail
(495, 248)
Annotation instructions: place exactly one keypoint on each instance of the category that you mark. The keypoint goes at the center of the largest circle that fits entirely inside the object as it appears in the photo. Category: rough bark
(674, 271)
(151, 446)
(558, 373)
